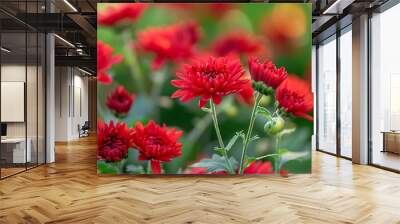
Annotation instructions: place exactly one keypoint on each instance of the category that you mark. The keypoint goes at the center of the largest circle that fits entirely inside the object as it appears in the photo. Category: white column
(360, 90)
(50, 99)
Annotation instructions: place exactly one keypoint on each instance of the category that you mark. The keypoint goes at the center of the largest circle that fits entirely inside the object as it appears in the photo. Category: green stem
(221, 142)
(270, 155)
(249, 131)
(132, 60)
(277, 159)
(149, 171)
(158, 81)
(193, 137)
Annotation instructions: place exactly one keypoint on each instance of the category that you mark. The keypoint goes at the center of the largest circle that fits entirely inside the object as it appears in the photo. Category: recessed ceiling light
(84, 71)
(70, 5)
(64, 40)
(5, 49)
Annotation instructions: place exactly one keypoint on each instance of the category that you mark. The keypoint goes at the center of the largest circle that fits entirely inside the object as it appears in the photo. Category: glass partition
(14, 146)
(346, 93)
(22, 77)
(385, 89)
(327, 97)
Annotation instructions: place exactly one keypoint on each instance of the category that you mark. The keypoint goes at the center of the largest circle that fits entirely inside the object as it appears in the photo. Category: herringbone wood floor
(70, 191)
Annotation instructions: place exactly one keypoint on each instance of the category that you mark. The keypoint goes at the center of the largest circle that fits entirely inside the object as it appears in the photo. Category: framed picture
(211, 88)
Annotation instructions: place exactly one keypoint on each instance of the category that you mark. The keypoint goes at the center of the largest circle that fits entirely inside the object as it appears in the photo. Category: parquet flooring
(70, 191)
(10, 171)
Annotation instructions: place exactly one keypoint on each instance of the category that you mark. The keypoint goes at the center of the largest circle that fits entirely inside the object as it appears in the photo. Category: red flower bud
(120, 101)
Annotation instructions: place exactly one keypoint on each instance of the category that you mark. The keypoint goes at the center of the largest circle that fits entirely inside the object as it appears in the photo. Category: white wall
(61, 103)
(71, 93)
(14, 73)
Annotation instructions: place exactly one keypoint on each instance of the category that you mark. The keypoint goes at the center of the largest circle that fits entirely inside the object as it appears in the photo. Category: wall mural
(212, 88)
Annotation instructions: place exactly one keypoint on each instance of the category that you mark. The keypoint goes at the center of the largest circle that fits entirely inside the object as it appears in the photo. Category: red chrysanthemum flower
(267, 72)
(238, 44)
(120, 101)
(295, 96)
(174, 43)
(105, 59)
(210, 78)
(121, 13)
(259, 167)
(113, 141)
(156, 143)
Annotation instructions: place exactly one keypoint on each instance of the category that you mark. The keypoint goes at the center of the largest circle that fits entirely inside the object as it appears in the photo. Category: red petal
(265, 168)
(116, 59)
(217, 99)
(178, 83)
(157, 63)
(177, 94)
(104, 79)
(284, 173)
(203, 101)
(304, 115)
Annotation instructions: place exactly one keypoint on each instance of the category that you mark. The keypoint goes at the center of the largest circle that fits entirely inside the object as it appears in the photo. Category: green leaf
(233, 140)
(264, 111)
(206, 109)
(106, 168)
(132, 169)
(219, 150)
(286, 132)
(255, 137)
(179, 171)
(282, 151)
(266, 156)
(215, 164)
(250, 160)
(290, 156)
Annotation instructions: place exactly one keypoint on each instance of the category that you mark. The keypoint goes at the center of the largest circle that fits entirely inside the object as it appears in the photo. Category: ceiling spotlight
(64, 40)
(84, 71)
(337, 7)
(5, 49)
(70, 5)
